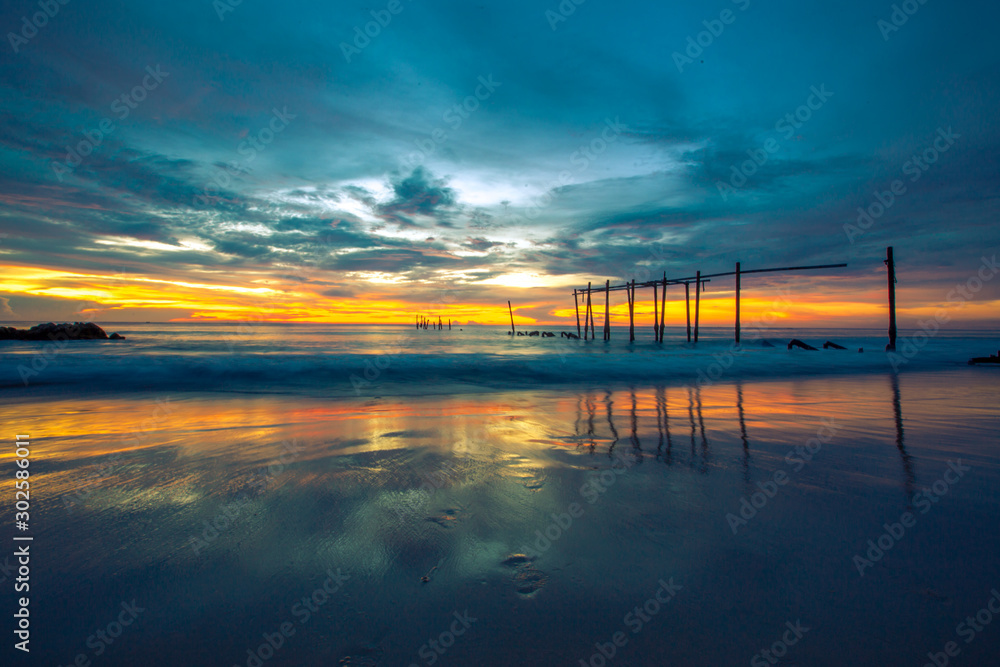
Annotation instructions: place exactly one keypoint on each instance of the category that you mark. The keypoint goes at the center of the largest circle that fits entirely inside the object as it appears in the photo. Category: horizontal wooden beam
(707, 277)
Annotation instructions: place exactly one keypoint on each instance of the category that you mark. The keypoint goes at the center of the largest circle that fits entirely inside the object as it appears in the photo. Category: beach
(239, 500)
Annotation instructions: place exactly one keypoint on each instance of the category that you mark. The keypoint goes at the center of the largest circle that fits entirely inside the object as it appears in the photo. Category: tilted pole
(631, 313)
(576, 305)
(697, 304)
(511, 310)
(656, 315)
(687, 307)
(663, 306)
(607, 310)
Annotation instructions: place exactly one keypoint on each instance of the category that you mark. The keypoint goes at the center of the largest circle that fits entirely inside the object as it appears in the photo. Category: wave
(572, 363)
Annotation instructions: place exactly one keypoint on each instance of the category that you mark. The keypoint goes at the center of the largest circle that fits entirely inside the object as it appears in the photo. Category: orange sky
(811, 301)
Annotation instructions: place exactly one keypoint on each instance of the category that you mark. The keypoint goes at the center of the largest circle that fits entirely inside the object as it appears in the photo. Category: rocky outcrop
(65, 331)
(992, 359)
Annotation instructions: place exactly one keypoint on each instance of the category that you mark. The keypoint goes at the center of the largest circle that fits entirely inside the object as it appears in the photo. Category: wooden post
(576, 306)
(449, 324)
(511, 310)
(663, 306)
(890, 263)
(687, 307)
(737, 303)
(697, 304)
(631, 313)
(607, 310)
(590, 315)
(656, 315)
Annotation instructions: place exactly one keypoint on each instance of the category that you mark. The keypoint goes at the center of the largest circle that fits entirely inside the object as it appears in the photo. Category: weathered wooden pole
(631, 313)
(607, 310)
(737, 303)
(663, 306)
(590, 315)
(890, 263)
(656, 315)
(449, 324)
(697, 304)
(576, 306)
(511, 311)
(687, 307)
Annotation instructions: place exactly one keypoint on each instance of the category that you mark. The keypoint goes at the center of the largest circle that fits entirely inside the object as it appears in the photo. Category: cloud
(418, 194)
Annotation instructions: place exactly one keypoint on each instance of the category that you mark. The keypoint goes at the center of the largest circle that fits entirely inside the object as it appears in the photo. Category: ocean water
(206, 495)
(347, 360)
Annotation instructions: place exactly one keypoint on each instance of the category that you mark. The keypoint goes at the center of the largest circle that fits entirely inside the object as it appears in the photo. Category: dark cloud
(418, 194)
(523, 170)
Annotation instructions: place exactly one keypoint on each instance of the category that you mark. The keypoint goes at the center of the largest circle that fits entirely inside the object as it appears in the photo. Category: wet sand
(721, 512)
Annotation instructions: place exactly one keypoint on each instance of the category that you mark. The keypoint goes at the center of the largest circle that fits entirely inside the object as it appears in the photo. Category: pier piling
(697, 304)
(891, 265)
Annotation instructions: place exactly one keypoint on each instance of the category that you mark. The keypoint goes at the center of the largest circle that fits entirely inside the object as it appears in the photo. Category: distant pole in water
(418, 321)
(687, 307)
(511, 310)
(576, 306)
(440, 324)
(449, 324)
(607, 310)
(631, 313)
(890, 263)
(697, 304)
(737, 303)
(590, 315)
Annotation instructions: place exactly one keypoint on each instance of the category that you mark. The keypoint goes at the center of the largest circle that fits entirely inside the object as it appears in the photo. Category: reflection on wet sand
(909, 476)
(428, 501)
(700, 453)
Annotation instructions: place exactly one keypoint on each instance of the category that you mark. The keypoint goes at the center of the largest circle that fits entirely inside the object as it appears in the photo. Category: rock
(116, 336)
(992, 359)
(533, 333)
(50, 331)
(795, 342)
(831, 345)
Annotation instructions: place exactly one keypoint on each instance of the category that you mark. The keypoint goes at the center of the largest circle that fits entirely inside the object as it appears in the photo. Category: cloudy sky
(364, 161)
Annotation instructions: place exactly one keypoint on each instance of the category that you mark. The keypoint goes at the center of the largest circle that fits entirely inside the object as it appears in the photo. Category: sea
(306, 494)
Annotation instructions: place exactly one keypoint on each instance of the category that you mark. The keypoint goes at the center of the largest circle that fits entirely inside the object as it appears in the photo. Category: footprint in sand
(528, 580)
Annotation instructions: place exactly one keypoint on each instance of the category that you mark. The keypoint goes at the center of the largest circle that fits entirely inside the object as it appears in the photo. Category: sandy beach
(695, 521)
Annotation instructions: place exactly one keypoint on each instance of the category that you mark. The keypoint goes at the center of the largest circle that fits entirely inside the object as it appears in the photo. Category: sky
(371, 161)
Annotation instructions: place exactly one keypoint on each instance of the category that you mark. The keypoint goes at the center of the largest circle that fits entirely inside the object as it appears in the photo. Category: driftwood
(795, 342)
(828, 345)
